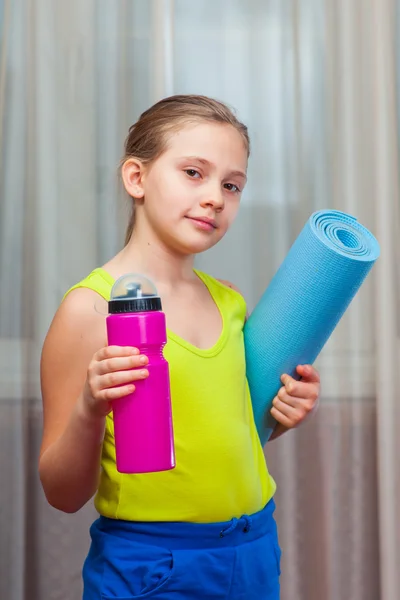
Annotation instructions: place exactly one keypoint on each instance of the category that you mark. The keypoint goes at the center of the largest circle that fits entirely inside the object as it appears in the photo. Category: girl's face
(190, 195)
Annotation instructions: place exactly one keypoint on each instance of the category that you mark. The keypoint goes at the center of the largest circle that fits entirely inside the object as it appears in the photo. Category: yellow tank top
(220, 468)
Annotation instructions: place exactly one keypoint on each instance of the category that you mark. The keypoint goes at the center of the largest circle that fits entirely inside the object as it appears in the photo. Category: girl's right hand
(110, 376)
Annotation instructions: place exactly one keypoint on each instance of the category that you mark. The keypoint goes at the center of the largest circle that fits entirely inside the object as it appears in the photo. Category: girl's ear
(133, 177)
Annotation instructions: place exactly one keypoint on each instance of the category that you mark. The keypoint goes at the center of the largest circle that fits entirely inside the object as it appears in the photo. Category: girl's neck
(147, 254)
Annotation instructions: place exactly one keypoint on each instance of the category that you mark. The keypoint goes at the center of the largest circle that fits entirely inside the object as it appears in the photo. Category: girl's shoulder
(86, 302)
(225, 284)
(98, 281)
(81, 314)
(230, 285)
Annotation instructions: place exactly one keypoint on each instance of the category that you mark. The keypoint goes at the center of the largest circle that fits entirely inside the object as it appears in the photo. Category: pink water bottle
(143, 431)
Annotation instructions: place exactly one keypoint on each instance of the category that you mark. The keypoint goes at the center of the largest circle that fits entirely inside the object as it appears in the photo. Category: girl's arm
(78, 377)
(72, 437)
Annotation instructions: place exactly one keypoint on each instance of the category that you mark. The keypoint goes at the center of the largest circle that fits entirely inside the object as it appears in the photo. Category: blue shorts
(235, 560)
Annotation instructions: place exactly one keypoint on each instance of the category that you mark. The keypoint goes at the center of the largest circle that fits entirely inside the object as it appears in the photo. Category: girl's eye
(231, 187)
(192, 173)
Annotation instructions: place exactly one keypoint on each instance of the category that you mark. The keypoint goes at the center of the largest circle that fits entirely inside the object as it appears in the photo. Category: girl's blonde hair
(147, 138)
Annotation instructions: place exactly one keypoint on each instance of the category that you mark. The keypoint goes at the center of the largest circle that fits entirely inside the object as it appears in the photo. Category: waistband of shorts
(185, 535)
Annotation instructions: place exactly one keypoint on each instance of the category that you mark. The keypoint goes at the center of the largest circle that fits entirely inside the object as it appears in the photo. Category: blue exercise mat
(303, 303)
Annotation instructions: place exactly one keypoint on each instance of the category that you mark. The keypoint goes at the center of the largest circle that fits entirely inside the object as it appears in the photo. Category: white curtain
(316, 83)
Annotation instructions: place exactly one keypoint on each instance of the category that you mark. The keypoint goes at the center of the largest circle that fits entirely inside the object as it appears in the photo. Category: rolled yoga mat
(303, 303)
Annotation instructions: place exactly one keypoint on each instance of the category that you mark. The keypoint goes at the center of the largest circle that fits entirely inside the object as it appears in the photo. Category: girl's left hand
(297, 399)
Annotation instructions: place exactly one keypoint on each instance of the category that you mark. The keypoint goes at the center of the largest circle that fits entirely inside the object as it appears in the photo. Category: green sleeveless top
(220, 468)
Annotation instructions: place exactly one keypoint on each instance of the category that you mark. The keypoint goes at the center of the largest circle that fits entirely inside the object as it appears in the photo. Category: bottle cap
(133, 293)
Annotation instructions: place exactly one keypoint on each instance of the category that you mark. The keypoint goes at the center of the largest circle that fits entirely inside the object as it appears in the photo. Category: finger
(114, 351)
(115, 393)
(121, 377)
(301, 389)
(297, 402)
(290, 411)
(110, 365)
(281, 418)
(308, 373)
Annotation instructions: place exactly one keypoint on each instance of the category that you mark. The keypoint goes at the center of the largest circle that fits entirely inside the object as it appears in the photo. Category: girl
(206, 528)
